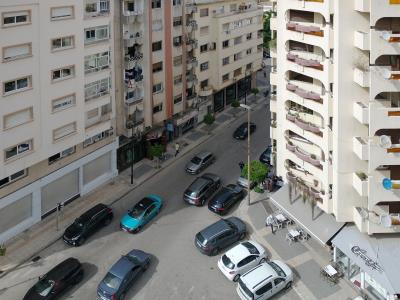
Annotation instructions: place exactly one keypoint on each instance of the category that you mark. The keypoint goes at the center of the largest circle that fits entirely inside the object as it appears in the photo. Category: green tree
(258, 171)
(209, 119)
(266, 28)
(155, 151)
(255, 91)
(235, 104)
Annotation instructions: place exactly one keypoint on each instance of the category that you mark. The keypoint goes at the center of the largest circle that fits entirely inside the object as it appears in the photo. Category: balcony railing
(389, 72)
(390, 37)
(305, 59)
(303, 155)
(305, 187)
(303, 93)
(306, 29)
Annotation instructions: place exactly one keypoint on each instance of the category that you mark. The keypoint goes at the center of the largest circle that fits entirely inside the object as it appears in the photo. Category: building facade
(57, 108)
(336, 113)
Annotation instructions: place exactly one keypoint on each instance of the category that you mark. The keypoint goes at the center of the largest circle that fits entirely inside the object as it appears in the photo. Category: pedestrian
(265, 74)
(241, 165)
(270, 222)
(176, 148)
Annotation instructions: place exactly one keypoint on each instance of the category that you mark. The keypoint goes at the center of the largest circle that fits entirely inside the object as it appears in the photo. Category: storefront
(244, 86)
(186, 123)
(219, 101)
(230, 94)
(370, 263)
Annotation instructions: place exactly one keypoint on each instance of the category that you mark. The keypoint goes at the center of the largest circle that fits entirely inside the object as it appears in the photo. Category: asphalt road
(178, 270)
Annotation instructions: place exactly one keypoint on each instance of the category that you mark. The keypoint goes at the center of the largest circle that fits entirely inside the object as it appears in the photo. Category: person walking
(241, 165)
(270, 222)
(176, 149)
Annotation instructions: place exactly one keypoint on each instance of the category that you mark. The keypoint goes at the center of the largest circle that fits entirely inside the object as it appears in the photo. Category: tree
(255, 91)
(209, 120)
(258, 171)
(266, 28)
(235, 104)
(155, 151)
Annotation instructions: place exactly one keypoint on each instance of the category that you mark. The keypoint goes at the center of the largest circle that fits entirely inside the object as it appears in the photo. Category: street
(178, 270)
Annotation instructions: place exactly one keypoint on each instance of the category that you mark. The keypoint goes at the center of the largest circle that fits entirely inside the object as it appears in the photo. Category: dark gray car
(219, 235)
(122, 275)
(200, 162)
(201, 189)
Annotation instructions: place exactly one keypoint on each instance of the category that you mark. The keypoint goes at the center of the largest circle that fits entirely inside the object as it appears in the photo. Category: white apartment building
(336, 130)
(180, 60)
(57, 108)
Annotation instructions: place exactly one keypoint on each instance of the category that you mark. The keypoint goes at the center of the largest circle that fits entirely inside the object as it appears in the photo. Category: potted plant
(156, 151)
(209, 119)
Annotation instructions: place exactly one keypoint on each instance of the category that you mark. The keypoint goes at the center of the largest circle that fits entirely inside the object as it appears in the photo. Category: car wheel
(107, 221)
(263, 260)
(138, 229)
(81, 241)
(288, 285)
(214, 251)
(236, 278)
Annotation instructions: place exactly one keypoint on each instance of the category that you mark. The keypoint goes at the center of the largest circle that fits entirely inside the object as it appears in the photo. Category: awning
(317, 223)
(376, 255)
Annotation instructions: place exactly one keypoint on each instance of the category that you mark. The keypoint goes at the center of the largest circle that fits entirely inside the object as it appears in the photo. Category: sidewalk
(305, 258)
(24, 247)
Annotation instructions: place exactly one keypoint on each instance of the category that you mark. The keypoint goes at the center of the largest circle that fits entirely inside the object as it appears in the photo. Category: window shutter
(16, 51)
(61, 12)
(18, 118)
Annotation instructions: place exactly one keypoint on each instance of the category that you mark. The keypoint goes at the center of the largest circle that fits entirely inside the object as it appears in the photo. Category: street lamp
(248, 108)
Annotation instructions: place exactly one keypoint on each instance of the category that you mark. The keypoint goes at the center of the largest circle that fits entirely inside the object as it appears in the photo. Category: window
(18, 118)
(248, 36)
(157, 88)
(16, 18)
(63, 103)
(18, 149)
(178, 99)
(64, 131)
(157, 46)
(177, 61)
(62, 43)
(237, 40)
(277, 281)
(17, 85)
(97, 89)
(204, 12)
(61, 13)
(237, 56)
(177, 41)
(97, 137)
(178, 79)
(96, 34)
(94, 9)
(157, 108)
(225, 44)
(97, 62)
(155, 3)
(204, 84)
(63, 74)
(225, 61)
(248, 51)
(203, 48)
(204, 66)
(204, 30)
(17, 52)
(237, 72)
(177, 21)
(248, 66)
(176, 2)
(225, 77)
(13, 177)
(264, 289)
(62, 154)
(157, 67)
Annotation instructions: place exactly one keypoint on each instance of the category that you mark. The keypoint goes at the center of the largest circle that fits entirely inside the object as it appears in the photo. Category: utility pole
(248, 108)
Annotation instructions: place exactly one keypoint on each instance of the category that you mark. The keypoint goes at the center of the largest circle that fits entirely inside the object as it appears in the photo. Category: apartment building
(180, 60)
(57, 107)
(336, 130)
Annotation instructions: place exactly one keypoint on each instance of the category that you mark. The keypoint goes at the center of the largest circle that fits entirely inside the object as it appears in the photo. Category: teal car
(141, 213)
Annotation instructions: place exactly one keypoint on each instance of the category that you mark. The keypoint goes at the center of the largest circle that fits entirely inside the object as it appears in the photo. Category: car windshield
(230, 224)
(133, 259)
(44, 287)
(112, 281)
(196, 160)
(78, 223)
(277, 269)
(227, 262)
(252, 249)
(245, 289)
(200, 238)
(137, 210)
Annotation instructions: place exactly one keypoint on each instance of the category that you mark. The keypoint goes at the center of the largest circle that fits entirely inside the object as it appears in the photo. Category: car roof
(122, 267)
(198, 183)
(212, 176)
(258, 275)
(62, 268)
(223, 195)
(214, 229)
(237, 253)
(145, 202)
(91, 212)
(203, 154)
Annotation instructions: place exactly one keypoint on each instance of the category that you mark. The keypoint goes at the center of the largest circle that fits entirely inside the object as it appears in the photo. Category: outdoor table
(281, 218)
(331, 271)
(294, 233)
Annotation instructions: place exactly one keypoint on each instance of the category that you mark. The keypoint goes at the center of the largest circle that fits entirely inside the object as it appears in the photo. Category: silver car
(200, 162)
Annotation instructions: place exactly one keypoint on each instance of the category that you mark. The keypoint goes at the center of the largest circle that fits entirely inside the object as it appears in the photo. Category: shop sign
(369, 262)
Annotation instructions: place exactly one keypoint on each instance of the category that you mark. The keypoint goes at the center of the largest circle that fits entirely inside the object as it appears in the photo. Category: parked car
(200, 162)
(243, 182)
(264, 281)
(141, 213)
(226, 198)
(87, 224)
(201, 189)
(241, 132)
(265, 157)
(219, 235)
(57, 280)
(123, 274)
(241, 259)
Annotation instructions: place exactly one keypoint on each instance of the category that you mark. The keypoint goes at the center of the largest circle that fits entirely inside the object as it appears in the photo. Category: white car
(241, 258)
(264, 281)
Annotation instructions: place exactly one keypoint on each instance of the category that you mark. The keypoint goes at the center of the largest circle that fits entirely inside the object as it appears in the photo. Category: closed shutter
(12, 52)
(15, 213)
(18, 118)
(59, 191)
(96, 168)
(61, 12)
(64, 131)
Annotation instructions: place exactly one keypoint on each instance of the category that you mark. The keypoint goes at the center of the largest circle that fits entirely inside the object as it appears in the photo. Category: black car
(219, 235)
(265, 157)
(226, 198)
(57, 280)
(201, 189)
(88, 223)
(241, 132)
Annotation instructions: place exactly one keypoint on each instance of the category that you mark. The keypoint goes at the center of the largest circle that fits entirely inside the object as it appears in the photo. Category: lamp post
(248, 108)
(130, 125)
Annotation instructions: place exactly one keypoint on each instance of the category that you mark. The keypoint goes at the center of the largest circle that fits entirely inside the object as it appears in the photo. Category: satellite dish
(385, 141)
(386, 221)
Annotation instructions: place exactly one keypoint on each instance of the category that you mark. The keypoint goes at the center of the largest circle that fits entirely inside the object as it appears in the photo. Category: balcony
(360, 112)
(383, 115)
(303, 93)
(192, 62)
(360, 184)
(273, 77)
(388, 72)
(305, 59)
(133, 38)
(361, 40)
(206, 91)
(135, 98)
(130, 61)
(360, 148)
(361, 77)
(191, 25)
(362, 5)
(191, 8)
(305, 187)
(306, 29)
(305, 156)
